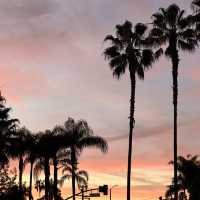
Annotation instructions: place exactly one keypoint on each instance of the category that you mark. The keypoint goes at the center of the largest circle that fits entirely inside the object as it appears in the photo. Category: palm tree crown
(127, 50)
(171, 27)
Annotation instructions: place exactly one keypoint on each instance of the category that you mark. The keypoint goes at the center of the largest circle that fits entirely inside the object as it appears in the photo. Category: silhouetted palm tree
(188, 179)
(7, 131)
(59, 144)
(44, 155)
(173, 29)
(81, 137)
(32, 155)
(81, 176)
(19, 149)
(127, 52)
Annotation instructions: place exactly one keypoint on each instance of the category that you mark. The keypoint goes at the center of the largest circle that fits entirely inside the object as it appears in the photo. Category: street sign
(104, 189)
(95, 195)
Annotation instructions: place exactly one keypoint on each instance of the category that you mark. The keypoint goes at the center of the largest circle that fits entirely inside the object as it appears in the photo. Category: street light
(111, 191)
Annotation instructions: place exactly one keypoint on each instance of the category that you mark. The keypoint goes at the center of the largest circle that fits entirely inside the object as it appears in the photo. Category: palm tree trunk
(73, 159)
(30, 182)
(55, 164)
(131, 126)
(47, 174)
(20, 172)
(175, 62)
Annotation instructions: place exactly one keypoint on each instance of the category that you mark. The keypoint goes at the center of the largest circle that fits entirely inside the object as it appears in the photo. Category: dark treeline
(188, 179)
(59, 148)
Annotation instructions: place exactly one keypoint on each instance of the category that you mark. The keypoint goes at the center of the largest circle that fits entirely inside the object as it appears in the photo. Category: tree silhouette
(173, 29)
(81, 137)
(18, 151)
(81, 176)
(127, 51)
(59, 144)
(44, 155)
(7, 130)
(188, 179)
(32, 156)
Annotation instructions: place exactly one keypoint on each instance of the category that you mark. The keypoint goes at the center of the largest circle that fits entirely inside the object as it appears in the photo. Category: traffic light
(104, 189)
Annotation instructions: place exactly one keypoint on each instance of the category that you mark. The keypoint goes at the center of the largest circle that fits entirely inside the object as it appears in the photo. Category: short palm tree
(81, 136)
(127, 51)
(173, 29)
(81, 176)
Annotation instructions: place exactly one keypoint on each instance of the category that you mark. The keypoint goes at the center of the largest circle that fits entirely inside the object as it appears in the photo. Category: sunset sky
(51, 67)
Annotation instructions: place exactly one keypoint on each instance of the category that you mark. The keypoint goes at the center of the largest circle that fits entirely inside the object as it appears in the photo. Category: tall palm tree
(18, 150)
(81, 176)
(81, 137)
(173, 29)
(44, 155)
(59, 144)
(32, 156)
(196, 16)
(50, 142)
(127, 52)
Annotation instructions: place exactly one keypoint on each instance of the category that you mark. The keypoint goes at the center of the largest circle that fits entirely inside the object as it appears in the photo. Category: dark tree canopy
(7, 130)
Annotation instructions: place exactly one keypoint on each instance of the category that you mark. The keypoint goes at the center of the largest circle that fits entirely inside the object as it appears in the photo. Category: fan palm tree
(127, 52)
(173, 29)
(81, 137)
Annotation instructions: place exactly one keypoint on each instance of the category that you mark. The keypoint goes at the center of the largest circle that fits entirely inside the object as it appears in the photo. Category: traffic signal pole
(103, 189)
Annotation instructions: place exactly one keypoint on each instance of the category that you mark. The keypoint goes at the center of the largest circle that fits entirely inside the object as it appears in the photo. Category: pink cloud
(17, 84)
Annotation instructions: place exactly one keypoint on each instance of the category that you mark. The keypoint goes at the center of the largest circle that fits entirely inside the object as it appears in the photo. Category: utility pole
(111, 191)
(82, 194)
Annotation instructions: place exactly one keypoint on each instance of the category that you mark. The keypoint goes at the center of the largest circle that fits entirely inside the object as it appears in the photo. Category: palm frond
(93, 141)
(81, 181)
(158, 54)
(84, 174)
(140, 72)
(147, 58)
(189, 45)
(111, 52)
(140, 29)
(114, 40)
(188, 33)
